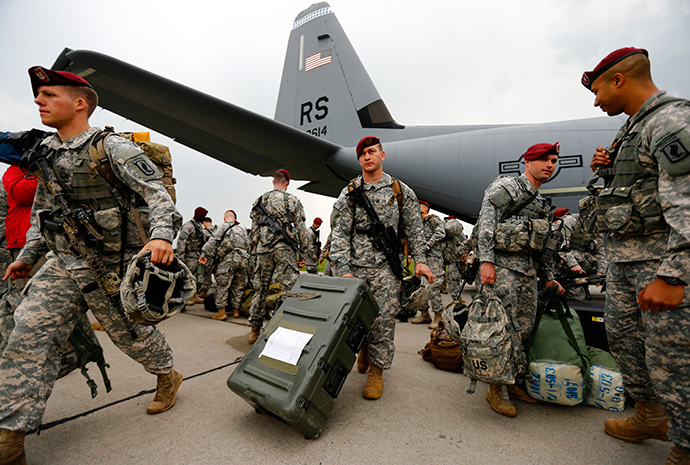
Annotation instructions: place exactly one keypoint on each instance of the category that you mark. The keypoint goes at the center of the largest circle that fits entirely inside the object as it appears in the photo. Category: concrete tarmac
(425, 415)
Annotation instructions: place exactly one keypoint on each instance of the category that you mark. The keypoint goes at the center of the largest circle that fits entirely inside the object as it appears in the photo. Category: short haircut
(89, 95)
(636, 67)
(279, 177)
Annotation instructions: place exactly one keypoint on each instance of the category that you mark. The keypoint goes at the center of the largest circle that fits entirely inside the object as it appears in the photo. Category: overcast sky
(433, 62)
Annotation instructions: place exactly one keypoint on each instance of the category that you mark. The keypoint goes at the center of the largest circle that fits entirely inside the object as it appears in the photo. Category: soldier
(353, 253)
(229, 249)
(434, 232)
(582, 252)
(314, 246)
(193, 236)
(64, 288)
(647, 174)
(329, 269)
(509, 270)
(276, 258)
(455, 249)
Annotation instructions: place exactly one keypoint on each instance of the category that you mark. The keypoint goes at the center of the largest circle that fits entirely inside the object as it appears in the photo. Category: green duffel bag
(559, 369)
(606, 389)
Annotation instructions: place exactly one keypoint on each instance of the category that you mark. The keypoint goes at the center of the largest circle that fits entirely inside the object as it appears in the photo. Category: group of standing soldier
(647, 258)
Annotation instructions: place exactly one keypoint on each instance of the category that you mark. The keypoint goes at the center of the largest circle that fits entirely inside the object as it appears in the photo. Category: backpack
(443, 351)
(159, 154)
(491, 347)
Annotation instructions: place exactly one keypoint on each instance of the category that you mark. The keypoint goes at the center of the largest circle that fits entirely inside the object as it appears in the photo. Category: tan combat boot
(363, 358)
(374, 387)
(515, 391)
(424, 318)
(678, 457)
(437, 318)
(12, 447)
(254, 334)
(220, 314)
(235, 313)
(648, 421)
(495, 397)
(166, 392)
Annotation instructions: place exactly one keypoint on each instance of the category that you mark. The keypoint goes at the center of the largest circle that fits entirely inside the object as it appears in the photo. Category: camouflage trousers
(231, 278)
(277, 266)
(435, 300)
(453, 278)
(53, 303)
(518, 293)
(329, 270)
(652, 349)
(386, 289)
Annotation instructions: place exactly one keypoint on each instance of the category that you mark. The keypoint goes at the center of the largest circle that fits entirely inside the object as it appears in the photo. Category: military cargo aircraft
(326, 103)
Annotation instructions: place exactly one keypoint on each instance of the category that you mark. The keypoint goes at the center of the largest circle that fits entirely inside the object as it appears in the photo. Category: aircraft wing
(231, 134)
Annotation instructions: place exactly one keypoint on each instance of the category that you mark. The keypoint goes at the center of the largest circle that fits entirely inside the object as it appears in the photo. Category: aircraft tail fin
(325, 89)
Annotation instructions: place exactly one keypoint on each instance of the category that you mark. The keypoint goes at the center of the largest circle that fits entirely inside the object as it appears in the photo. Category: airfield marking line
(55, 423)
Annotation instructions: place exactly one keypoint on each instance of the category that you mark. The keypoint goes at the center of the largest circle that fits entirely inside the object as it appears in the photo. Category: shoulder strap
(398, 191)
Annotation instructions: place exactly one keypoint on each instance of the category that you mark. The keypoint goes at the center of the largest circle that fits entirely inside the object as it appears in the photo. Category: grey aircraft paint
(326, 103)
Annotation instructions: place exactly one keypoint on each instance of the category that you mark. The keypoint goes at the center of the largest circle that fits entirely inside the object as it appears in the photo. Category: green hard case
(303, 395)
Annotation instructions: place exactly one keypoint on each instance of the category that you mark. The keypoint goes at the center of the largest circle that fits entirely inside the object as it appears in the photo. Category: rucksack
(442, 351)
(159, 154)
(491, 348)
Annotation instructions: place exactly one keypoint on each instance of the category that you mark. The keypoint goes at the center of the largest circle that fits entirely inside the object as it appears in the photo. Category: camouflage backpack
(490, 343)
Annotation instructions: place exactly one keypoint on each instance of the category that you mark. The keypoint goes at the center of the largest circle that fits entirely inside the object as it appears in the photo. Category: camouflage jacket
(288, 209)
(589, 254)
(228, 243)
(349, 248)
(313, 247)
(489, 217)
(163, 218)
(434, 232)
(664, 145)
(454, 247)
(192, 238)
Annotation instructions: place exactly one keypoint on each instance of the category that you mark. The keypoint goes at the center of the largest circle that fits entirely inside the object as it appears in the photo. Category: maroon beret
(285, 173)
(588, 77)
(200, 213)
(422, 202)
(41, 76)
(318, 220)
(450, 217)
(538, 151)
(366, 142)
(559, 212)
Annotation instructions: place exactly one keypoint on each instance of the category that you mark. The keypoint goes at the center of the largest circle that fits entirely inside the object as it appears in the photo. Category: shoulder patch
(145, 167)
(673, 150)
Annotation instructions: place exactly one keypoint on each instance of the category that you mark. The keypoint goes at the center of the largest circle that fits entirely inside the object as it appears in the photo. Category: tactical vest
(629, 203)
(527, 228)
(581, 240)
(88, 188)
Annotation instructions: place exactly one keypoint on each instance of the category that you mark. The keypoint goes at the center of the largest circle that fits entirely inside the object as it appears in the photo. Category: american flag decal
(317, 59)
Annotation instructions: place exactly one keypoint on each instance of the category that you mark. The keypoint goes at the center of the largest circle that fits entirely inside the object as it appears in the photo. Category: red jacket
(20, 198)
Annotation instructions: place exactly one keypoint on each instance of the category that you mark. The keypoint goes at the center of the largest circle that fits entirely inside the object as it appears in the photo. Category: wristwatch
(673, 281)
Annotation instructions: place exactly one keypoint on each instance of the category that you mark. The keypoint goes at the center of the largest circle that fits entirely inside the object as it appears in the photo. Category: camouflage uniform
(652, 349)
(453, 249)
(329, 269)
(580, 248)
(64, 289)
(192, 238)
(313, 253)
(276, 260)
(229, 248)
(434, 232)
(5, 258)
(516, 272)
(352, 252)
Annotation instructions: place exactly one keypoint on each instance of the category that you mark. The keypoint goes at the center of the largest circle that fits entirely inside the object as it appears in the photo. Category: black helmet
(152, 293)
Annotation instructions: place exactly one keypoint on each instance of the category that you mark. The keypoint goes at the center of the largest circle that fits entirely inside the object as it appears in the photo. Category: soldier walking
(193, 236)
(314, 246)
(64, 288)
(434, 233)
(353, 253)
(228, 247)
(645, 208)
(276, 257)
